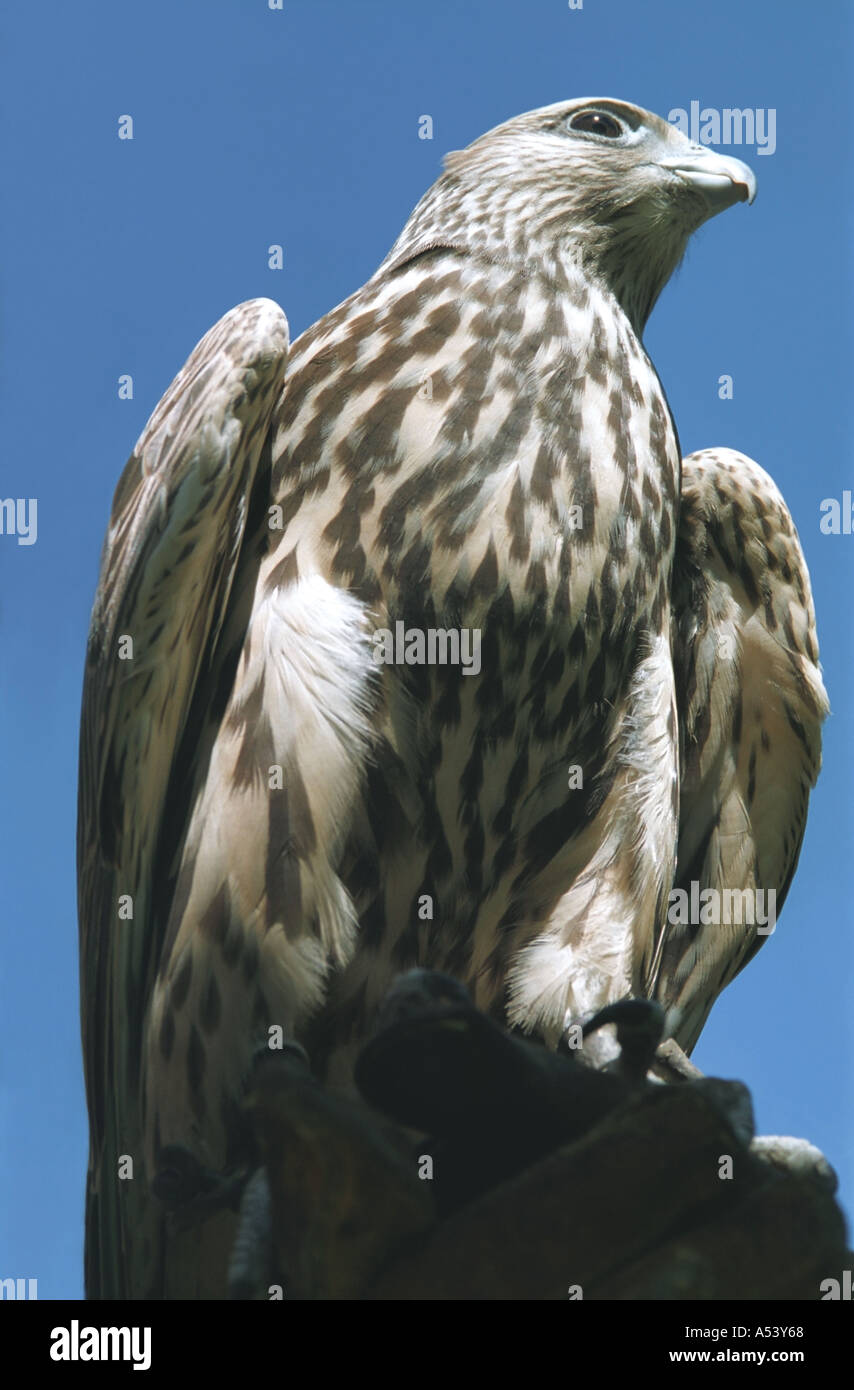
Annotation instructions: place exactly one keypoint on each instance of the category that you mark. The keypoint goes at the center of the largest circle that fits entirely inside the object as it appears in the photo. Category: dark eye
(596, 123)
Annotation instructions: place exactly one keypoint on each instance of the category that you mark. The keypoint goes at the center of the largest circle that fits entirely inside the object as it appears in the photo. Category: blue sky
(299, 127)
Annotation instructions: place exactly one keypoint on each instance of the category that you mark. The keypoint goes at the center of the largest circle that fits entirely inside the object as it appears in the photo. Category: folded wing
(176, 542)
(751, 704)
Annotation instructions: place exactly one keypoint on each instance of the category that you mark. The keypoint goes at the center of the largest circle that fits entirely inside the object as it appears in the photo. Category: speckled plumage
(476, 439)
(751, 704)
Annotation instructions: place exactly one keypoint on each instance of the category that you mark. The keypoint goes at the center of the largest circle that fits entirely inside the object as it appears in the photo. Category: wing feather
(172, 552)
(751, 704)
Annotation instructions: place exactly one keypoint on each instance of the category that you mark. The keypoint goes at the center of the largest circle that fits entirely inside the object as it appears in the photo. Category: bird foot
(672, 1064)
(189, 1191)
(639, 1024)
(492, 1101)
(250, 1268)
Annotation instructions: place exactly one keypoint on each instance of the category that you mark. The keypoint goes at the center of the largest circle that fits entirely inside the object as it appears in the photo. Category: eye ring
(596, 123)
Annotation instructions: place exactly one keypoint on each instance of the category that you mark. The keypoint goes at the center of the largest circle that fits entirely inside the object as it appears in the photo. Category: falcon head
(596, 182)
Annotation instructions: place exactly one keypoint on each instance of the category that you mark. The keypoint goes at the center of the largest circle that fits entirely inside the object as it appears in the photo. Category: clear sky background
(300, 126)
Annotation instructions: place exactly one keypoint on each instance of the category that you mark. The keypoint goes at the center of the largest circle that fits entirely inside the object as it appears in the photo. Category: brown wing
(751, 703)
(174, 546)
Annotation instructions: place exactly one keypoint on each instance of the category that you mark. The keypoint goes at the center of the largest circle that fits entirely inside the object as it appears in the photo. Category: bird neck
(628, 261)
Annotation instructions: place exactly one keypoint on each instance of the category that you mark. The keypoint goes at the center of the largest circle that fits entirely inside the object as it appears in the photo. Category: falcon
(285, 802)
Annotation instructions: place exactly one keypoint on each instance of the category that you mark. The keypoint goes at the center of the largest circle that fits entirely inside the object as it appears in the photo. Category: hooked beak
(720, 179)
